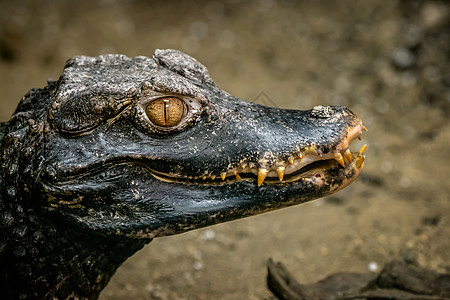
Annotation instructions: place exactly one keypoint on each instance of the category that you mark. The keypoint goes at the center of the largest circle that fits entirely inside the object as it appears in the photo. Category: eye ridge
(166, 111)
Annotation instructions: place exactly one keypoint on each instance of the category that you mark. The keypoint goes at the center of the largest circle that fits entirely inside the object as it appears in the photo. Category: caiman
(121, 150)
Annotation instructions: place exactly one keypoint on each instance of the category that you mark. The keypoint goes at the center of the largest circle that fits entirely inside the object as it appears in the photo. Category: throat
(60, 262)
(94, 262)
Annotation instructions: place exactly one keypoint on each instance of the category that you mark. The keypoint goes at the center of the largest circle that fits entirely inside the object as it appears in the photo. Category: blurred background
(388, 61)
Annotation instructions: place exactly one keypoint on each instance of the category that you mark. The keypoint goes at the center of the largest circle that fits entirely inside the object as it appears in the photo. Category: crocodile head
(147, 147)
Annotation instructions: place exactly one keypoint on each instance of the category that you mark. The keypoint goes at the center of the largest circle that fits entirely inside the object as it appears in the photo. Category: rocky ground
(388, 61)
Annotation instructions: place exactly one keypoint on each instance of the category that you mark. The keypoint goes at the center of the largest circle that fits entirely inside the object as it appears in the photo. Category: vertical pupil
(166, 112)
(166, 107)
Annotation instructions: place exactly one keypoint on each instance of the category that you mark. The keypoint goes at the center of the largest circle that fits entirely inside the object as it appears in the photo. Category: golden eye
(166, 112)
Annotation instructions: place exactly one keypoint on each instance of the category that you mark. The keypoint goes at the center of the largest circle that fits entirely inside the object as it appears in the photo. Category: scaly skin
(89, 176)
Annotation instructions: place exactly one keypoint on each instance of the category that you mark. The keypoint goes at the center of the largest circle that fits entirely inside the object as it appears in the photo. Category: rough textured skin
(87, 179)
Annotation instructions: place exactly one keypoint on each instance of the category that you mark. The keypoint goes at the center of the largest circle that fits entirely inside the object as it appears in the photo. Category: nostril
(322, 111)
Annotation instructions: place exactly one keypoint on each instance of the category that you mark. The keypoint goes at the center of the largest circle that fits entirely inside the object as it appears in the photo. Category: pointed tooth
(213, 177)
(338, 157)
(243, 166)
(234, 172)
(262, 173)
(204, 177)
(360, 161)
(223, 175)
(238, 177)
(363, 149)
(348, 155)
(359, 137)
(280, 171)
(300, 156)
(364, 128)
(291, 160)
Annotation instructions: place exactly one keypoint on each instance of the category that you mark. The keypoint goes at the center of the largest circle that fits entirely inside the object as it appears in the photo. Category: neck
(41, 257)
(40, 260)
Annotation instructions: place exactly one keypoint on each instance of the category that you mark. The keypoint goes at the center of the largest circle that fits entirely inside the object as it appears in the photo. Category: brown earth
(388, 61)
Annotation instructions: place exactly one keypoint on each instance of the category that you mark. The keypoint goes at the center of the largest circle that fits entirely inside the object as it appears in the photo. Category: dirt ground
(388, 61)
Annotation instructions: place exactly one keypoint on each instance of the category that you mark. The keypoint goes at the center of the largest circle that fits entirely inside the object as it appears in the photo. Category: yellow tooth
(280, 171)
(204, 177)
(291, 160)
(234, 172)
(348, 155)
(238, 177)
(360, 161)
(223, 175)
(338, 157)
(243, 166)
(213, 177)
(364, 128)
(300, 156)
(262, 173)
(363, 149)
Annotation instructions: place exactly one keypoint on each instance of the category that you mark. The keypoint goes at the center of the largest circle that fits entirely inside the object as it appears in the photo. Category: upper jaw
(270, 144)
(282, 171)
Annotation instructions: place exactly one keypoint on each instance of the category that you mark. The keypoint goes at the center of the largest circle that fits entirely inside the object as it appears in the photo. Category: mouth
(308, 163)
